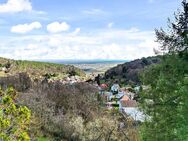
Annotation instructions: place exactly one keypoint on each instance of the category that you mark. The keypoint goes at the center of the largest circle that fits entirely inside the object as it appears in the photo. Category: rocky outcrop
(128, 73)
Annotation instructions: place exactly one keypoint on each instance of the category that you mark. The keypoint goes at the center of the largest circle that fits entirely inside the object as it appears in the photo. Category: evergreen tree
(175, 39)
(166, 99)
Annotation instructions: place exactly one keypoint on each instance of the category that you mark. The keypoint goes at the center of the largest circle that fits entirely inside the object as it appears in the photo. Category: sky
(82, 29)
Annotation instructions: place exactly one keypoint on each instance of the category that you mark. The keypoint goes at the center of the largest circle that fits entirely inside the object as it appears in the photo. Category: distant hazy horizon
(82, 61)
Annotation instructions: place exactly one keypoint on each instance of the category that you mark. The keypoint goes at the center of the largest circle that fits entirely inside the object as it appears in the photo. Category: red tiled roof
(129, 103)
(125, 98)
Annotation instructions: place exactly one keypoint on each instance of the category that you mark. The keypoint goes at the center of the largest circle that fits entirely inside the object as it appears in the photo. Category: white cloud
(24, 28)
(12, 6)
(93, 12)
(76, 31)
(114, 44)
(110, 25)
(56, 27)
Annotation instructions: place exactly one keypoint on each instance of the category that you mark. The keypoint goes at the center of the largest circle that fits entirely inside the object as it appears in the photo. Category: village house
(123, 100)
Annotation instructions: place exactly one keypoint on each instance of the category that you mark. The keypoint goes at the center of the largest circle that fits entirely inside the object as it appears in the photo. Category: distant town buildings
(122, 99)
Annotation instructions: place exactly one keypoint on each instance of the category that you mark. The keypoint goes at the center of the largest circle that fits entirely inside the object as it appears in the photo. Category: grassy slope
(38, 69)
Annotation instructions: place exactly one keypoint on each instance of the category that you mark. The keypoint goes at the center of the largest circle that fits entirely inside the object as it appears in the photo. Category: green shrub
(14, 119)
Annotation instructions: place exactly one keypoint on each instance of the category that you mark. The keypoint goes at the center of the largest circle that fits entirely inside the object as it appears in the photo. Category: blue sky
(81, 29)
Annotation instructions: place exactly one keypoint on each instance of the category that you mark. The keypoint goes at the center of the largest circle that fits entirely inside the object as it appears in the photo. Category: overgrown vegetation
(14, 119)
(166, 99)
(72, 112)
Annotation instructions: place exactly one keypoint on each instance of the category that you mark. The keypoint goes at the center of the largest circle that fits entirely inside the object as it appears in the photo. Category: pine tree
(166, 99)
(176, 38)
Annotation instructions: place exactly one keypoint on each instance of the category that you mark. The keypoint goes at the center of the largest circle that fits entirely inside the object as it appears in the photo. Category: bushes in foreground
(14, 119)
(72, 112)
